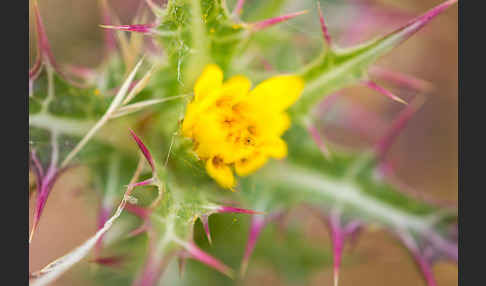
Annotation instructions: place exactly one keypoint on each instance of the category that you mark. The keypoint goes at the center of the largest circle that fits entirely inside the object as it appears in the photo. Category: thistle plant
(184, 99)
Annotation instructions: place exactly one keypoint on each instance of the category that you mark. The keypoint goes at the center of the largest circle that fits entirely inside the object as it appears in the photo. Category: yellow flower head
(233, 127)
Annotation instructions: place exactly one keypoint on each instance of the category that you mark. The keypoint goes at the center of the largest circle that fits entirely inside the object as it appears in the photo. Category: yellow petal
(210, 79)
(282, 124)
(237, 86)
(232, 91)
(220, 172)
(277, 93)
(207, 134)
(249, 165)
(276, 148)
(274, 125)
(196, 108)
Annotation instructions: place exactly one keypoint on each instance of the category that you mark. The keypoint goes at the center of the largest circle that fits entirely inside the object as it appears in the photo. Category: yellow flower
(235, 127)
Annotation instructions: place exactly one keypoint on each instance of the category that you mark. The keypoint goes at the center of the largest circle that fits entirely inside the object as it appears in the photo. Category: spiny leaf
(56, 268)
(337, 68)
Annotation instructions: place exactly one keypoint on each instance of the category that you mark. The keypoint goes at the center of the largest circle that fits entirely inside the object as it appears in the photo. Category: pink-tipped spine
(143, 148)
(407, 30)
(44, 47)
(205, 222)
(373, 85)
(138, 28)
(325, 31)
(273, 21)
(257, 224)
(109, 261)
(198, 254)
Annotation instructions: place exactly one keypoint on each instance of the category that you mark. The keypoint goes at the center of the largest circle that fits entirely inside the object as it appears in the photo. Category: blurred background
(425, 156)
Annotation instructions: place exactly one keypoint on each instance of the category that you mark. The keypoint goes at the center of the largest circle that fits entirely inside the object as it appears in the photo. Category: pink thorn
(426, 269)
(384, 91)
(424, 265)
(318, 140)
(46, 183)
(417, 23)
(43, 43)
(144, 182)
(339, 234)
(324, 29)
(205, 222)
(144, 150)
(44, 51)
(369, 17)
(138, 28)
(228, 209)
(385, 143)
(45, 186)
(110, 261)
(239, 7)
(400, 79)
(273, 21)
(141, 212)
(257, 224)
(207, 259)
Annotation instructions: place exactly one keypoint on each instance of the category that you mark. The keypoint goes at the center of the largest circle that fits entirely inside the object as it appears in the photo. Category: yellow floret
(233, 127)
